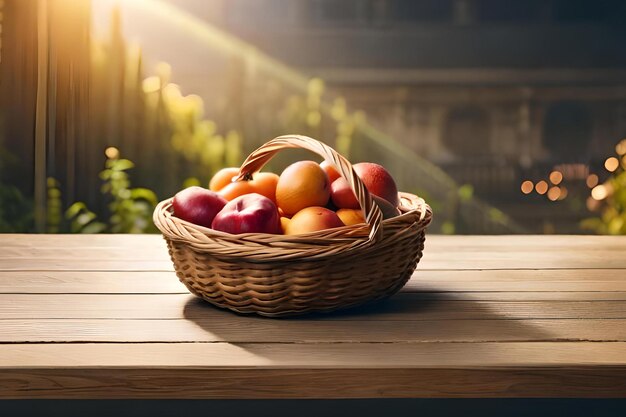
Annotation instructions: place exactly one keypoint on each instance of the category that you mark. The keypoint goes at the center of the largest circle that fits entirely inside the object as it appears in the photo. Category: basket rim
(334, 241)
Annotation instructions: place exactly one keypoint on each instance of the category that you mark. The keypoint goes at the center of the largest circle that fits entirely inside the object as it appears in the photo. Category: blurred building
(495, 92)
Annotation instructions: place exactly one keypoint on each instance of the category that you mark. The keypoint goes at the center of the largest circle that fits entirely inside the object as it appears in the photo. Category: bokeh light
(611, 164)
(592, 204)
(554, 193)
(541, 187)
(527, 187)
(620, 148)
(599, 192)
(563, 193)
(592, 180)
(556, 177)
(112, 152)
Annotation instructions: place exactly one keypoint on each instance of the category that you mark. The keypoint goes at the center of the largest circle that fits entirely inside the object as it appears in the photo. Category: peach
(342, 195)
(350, 217)
(378, 181)
(302, 184)
(222, 178)
(312, 219)
(330, 171)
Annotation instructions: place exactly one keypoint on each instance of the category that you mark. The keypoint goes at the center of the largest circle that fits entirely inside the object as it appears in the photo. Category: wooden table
(514, 316)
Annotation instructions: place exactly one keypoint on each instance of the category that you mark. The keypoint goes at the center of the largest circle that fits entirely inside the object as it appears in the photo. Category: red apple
(197, 205)
(342, 195)
(378, 181)
(249, 213)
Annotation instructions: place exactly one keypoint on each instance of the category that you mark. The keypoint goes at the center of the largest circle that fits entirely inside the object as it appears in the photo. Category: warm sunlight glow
(592, 180)
(556, 177)
(541, 187)
(611, 164)
(527, 187)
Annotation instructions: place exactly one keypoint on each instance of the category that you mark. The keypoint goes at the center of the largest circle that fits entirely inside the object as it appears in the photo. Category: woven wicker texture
(277, 275)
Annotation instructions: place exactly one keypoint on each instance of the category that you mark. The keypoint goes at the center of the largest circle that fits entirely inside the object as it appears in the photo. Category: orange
(312, 219)
(222, 178)
(351, 216)
(265, 184)
(235, 189)
(302, 184)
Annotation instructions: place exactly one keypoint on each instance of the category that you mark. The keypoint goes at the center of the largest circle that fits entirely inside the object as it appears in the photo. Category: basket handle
(258, 158)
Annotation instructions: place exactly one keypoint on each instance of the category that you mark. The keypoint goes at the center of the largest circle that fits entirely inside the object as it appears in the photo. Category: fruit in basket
(302, 184)
(197, 205)
(249, 213)
(222, 178)
(284, 222)
(342, 195)
(330, 171)
(386, 208)
(263, 183)
(378, 181)
(351, 217)
(312, 219)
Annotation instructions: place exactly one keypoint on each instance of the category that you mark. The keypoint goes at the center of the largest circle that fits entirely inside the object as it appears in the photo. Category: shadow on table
(406, 317)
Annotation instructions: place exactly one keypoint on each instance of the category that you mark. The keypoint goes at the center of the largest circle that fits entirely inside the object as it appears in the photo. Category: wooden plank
(111, 282)
(236, 329)
(91, 282)
(582, 381)
(335, 370)
(311, 356)
(404, 306)
(75, 264)
(148, 252)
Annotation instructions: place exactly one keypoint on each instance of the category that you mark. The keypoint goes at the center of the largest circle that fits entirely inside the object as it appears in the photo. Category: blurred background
(506, 116)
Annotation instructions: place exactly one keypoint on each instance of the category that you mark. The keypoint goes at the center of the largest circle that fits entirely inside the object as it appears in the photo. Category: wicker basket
(277, 275)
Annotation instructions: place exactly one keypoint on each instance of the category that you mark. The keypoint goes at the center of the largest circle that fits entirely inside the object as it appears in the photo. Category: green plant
(130, 209)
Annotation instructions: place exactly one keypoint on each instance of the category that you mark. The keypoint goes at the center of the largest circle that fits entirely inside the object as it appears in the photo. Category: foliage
(612, 194)
(130, 209)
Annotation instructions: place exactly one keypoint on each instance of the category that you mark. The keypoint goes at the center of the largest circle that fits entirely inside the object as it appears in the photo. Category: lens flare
(527, 187)
(541, 187)
(611, 164)
(556, 177)
(592, 180)
(599, 192)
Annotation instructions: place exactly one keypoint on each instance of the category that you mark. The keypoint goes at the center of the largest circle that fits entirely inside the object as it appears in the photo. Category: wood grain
(125, 282)
(404, 306)
(313, 356)
(235, 329)
(582, 381)
(146, 252)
